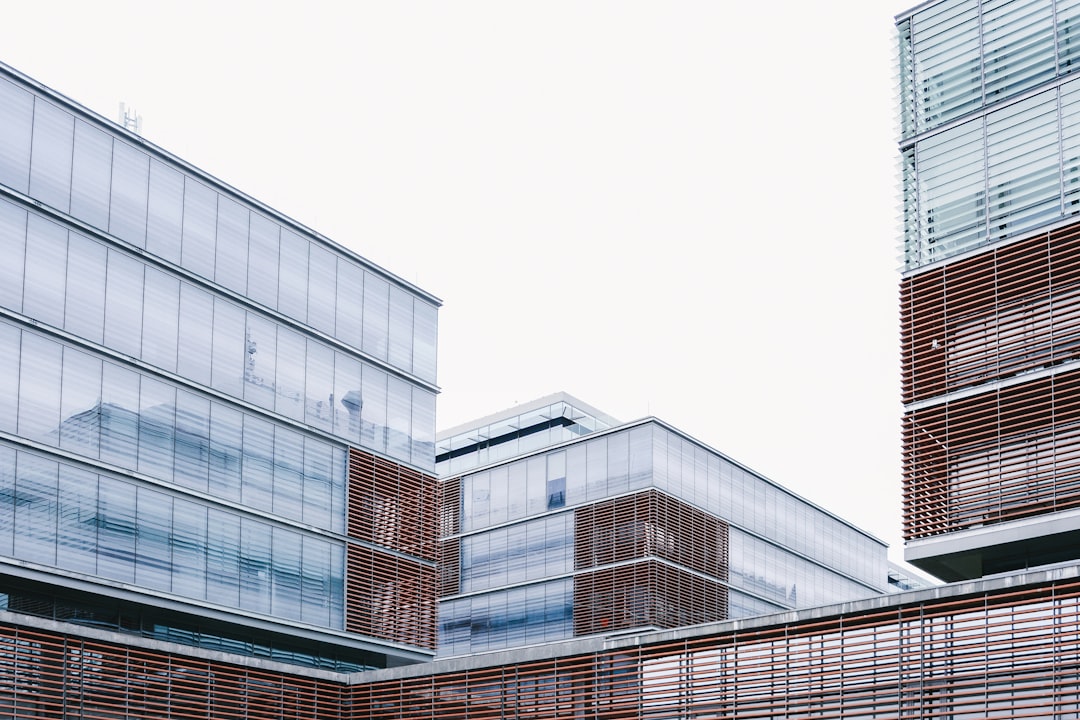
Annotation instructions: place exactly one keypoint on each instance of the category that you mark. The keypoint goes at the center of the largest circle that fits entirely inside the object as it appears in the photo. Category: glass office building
(216, 426)
(990, 146)
(595, 527)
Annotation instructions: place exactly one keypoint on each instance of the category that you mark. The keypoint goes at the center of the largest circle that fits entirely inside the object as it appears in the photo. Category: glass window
(322, 289)
(401, 329)
(399, 418)
(46, 269)
(319, 386)
(130, 185)
(161, 325)
(153, 554)
(77, 524)
(196, 320)
(376, 315)
(13, 249)
(263, 260)
(318, 500)
(348, 397)
(192, 438)
(289, 388)
(258, 463)
(425, 326)
(316, 581)
(189, 550)
(349, 305)
(288, 480)
(119, 415)
(80, 404)
(232, 251)
(10, 354)
(157, 428)
(223, 557)
(124, 303)
(226, 441)
(255, 566)
(260, 362)
(230, 348)
(50, 173)
(373, 419)
(84, 313)
(286, 574)
(165, 212)
(200, 226)
(292, 285)
(39, 388)
(116, 529)
(7, 497)
(91, 175)
(35, 509)
(16, 117)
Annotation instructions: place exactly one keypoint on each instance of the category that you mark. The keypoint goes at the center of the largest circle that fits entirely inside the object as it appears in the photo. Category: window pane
(349, 321)
(319, 387)
(50, 173)
(116, 529)
(258, 467)
(35, 509)
(80, 406)
(322, 290)
(230, 351)
(288, 480)
(376, 315)
(77, 520)
(226, 433)
(161, 319)
(426, 330)
(39, 389)
(255, 585)
(230, 269)
(223, 557)
(292, 288)
(119, 415)
(91, 173)
(10, 352)
(263, 260)
(46, 269)
(189, 549)
(401, 329)
(200, 225)
(192, 440)
(124, 303)
(130, 183)
(260, 362)
(84, 313)
(157, 428)
(165, 211)
(16, 117)
(153, 566)
(13, 249)
(196, 324)
(289, 387)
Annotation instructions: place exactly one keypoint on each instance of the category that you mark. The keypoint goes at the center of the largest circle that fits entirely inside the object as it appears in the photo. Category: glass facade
(509, 436)
(517, 526)
(185, 377)
(990, 122)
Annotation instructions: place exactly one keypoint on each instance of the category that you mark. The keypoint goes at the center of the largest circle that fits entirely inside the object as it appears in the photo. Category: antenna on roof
(130, 119)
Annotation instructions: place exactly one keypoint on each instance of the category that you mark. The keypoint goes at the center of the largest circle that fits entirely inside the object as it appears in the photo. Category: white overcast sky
(681, 209)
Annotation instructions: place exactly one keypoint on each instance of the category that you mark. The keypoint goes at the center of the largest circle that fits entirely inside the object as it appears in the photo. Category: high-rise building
(561, 522)
(990, 295)
(216, 426)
